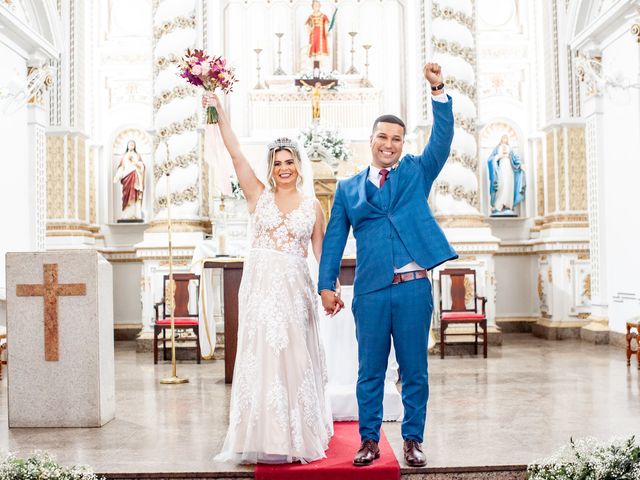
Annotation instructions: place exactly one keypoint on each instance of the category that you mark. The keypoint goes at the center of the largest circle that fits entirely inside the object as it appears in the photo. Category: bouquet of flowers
(210, 73)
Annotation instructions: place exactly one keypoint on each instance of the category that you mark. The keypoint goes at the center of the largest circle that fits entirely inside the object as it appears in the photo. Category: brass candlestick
(259, 85)
(352, 69)
(279, 70)
(365, 80)
(174, 379)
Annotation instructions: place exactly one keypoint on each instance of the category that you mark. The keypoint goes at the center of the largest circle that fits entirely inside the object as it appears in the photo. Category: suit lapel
(362, 190)
(393, 184)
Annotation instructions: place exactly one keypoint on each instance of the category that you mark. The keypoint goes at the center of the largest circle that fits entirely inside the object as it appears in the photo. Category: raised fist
(433, 74)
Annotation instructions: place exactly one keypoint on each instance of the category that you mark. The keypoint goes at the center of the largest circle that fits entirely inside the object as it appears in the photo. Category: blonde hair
(296, 163)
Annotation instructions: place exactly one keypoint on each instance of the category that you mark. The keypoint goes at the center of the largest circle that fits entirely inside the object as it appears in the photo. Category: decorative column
(592, 110)
(177, 151)
(561, 238)
(176, 107)
(37, 122)
(67, 166)
(455, 194)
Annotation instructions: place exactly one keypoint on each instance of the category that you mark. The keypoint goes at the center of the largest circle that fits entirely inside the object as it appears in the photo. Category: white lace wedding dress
(279, 411)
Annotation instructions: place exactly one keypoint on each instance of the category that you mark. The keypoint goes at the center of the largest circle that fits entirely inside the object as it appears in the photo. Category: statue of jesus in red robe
(318, 25)
(130, 173)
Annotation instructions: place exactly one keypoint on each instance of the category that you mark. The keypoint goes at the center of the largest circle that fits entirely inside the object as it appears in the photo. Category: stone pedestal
(60, 330)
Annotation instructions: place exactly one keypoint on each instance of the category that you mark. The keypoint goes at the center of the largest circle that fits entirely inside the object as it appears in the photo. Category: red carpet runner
(337, 465)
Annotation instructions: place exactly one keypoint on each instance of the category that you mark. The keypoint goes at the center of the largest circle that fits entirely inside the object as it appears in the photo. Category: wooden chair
(459, 313)
(630, 336)
(184, 320)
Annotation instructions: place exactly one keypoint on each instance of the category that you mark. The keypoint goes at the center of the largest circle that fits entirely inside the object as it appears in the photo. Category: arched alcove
(488, 138)
(117, 150)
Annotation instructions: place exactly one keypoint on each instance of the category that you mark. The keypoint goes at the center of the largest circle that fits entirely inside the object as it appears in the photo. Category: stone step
(499, 472)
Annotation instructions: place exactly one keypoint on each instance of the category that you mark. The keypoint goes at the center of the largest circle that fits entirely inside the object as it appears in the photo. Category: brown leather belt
(408, 276)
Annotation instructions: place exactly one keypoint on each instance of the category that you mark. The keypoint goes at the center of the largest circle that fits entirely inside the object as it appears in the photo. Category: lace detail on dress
(288, 233)
(279, 410)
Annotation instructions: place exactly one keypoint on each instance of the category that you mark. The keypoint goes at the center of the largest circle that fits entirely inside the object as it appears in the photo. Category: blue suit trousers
(402, 311)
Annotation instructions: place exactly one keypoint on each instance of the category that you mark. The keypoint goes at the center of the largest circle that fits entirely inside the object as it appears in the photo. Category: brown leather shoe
(368, 452)
(413, 454)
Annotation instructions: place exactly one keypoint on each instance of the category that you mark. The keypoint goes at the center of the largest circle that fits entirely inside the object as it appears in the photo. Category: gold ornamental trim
(70, 234)
(189, 194)
(635, 30)
(464, 158)
(458, 192)
(179, 226)
(71, 226)
(179, 91)
(161, 63)
(448, 13)
(461, 221)
(565, 220)
(467, 123)
(189, 124)
(180, 161)
(548, 226)
(169, 26)
(463, 87)
(455, 49)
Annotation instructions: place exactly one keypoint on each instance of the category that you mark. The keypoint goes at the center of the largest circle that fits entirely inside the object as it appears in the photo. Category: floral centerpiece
(331, 140)
(208, 72)
(589, 459)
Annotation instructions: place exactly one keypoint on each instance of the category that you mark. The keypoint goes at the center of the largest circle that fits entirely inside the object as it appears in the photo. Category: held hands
(331, 301)
(433, 74)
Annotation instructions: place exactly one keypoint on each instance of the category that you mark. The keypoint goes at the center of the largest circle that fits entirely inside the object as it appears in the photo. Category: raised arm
(437, 150)
(251, 186)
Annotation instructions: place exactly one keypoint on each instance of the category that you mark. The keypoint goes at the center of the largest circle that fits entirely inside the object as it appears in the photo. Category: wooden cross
(50, 291)
(316, 85)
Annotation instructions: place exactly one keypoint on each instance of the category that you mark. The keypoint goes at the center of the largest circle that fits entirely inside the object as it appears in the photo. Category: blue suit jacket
(408, 212)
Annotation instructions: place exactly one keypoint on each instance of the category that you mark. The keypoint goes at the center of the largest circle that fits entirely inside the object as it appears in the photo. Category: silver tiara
(283, 142)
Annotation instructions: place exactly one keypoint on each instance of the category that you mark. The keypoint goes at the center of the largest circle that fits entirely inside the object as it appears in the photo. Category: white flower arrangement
(588, 459)
(331, 140)
(42, 466)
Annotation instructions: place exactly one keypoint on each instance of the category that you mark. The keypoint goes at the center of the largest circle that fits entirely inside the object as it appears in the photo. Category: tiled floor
(520, 404)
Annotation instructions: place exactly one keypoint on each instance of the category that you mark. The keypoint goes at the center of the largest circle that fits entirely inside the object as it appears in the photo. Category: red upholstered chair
(184, 319)
(462, 307)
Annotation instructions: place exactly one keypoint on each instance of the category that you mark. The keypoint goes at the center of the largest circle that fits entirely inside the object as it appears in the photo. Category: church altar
(282, 106)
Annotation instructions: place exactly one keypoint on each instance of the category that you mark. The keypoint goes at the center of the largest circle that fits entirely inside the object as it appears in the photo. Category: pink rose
(196, 70)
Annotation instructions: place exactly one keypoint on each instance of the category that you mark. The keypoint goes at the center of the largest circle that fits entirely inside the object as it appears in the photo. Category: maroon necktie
(384, 173)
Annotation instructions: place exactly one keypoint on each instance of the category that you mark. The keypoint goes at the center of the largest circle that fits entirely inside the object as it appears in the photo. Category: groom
(397, 240)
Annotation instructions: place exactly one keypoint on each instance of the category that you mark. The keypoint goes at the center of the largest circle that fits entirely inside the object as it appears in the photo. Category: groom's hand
(331, 302)
(433, 74)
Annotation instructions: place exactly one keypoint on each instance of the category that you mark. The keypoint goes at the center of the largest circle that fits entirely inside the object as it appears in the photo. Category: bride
(279, 412)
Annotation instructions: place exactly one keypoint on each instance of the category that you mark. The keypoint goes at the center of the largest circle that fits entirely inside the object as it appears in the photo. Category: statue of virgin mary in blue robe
(507, 182)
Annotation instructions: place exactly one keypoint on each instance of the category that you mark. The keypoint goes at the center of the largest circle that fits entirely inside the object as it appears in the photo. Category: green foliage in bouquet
(42, 466)
(589, 459)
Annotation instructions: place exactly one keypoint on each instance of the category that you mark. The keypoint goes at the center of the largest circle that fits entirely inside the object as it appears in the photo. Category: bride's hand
(210, 99)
